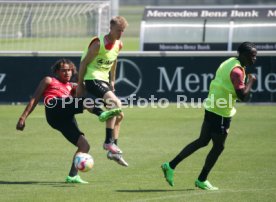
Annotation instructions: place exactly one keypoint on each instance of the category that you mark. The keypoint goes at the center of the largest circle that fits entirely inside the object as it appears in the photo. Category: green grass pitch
(65, 44)
(35, 162)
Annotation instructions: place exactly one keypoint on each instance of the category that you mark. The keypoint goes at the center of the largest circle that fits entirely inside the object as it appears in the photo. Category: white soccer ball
(83, 162)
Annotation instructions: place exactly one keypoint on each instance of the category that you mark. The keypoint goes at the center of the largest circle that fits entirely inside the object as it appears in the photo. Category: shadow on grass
(153, 190)
(56, 184)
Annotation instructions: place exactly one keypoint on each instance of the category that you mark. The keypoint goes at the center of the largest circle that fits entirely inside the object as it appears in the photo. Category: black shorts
(97, 88)
(63, 118)
(218, 124)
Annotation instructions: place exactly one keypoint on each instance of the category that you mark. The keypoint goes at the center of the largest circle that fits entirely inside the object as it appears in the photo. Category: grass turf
(65, 44)
(35, 162)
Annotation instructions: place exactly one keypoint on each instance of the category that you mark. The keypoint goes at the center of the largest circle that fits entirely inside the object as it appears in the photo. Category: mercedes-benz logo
(129, 78)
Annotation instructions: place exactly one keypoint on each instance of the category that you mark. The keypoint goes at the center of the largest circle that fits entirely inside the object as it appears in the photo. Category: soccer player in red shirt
(60, 110)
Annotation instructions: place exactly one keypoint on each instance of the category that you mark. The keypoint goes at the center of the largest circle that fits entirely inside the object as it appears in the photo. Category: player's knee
(219, 147)
(113, 103)
(112, 100)
(83, 144)
(87, 147)
(118, 103)
(202, 143)
(222, 147)
(120, 117)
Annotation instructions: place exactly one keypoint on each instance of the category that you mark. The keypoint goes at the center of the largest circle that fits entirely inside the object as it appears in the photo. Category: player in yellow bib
(97, 75)
(227, 87)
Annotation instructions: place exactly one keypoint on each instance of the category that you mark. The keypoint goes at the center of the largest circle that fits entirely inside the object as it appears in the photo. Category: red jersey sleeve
(237, 78)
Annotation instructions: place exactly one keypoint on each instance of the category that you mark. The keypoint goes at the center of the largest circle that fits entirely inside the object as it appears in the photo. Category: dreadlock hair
(246, 47)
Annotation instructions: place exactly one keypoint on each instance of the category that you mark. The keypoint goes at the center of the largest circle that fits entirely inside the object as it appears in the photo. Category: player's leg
(105, 115)
(63, 120)
(72, 133)
(71, 130)
(83, 146)
(101, 90)
(219, 134)
(117, 157)
(96, 109)
(112, 102)
(202, 141)
(117, 127)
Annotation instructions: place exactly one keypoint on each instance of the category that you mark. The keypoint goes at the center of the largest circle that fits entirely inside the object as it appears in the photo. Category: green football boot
(75, 179)
(206, 185)
(109, 114)
(168, 173)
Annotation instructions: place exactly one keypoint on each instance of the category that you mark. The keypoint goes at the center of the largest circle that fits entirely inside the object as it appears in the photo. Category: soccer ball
(83, 162)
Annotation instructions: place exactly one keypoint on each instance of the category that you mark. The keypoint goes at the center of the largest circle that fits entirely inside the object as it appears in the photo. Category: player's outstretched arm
(33, 102)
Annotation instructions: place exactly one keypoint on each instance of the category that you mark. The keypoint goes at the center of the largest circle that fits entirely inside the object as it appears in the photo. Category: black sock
(203, 175)
(108, 135)
(116, 141)
(172, 165)
(73, 171)
(96, 110)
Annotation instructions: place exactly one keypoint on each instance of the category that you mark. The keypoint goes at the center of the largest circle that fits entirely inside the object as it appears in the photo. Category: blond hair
(119, 20)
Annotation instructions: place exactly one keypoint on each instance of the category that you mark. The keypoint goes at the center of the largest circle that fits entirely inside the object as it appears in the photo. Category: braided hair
(246, 47)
